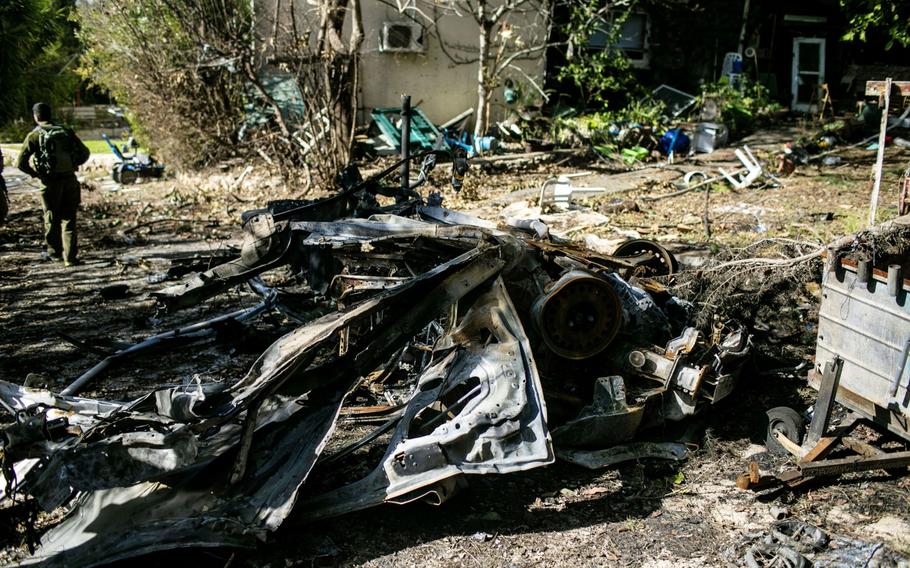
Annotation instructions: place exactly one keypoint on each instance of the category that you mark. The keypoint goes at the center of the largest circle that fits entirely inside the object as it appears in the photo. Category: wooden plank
(877, 88)
(789, 445)
(862, 448)
(820, 449)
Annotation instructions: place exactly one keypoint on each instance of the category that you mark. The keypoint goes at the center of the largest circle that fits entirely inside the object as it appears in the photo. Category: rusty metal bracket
(855, 463)
(821, 415)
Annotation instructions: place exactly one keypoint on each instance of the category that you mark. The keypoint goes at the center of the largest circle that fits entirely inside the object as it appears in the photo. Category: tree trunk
(483, 79)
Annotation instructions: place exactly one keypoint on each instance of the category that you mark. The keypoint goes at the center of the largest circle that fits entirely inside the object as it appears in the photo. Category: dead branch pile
(769, 285)
(889, 238)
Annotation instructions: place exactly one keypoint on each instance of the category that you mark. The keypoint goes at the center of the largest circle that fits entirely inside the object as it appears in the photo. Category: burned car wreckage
(506, 349)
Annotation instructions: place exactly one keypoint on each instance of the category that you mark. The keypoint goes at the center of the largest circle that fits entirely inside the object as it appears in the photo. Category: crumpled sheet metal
(199, 465)
(189, 501)
(268, 244)
(500, 429)
(607, 421)
(80, 412)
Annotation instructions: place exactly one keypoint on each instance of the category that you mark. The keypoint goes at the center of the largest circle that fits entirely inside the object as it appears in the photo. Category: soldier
(4, 203)
(58, 152)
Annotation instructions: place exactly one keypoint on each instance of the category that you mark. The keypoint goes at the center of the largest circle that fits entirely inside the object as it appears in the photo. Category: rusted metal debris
(500, 345)
(862, 362)
(794, 543)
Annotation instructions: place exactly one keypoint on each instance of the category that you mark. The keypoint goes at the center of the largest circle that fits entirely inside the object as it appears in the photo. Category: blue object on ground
(674, 141)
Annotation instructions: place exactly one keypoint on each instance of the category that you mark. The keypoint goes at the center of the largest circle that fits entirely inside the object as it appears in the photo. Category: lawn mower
(132, 166)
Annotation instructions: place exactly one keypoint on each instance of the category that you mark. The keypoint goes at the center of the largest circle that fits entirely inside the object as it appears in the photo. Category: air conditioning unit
(401, 37)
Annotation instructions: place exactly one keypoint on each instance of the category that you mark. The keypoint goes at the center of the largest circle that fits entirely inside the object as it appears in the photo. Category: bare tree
(325, 65)
(509, 31)
(203, 94)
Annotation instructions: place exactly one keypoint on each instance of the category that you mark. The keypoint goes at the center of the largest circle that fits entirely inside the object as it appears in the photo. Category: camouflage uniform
(60, 197)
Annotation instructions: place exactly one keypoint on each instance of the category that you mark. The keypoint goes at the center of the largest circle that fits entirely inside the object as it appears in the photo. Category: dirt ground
(56, 324)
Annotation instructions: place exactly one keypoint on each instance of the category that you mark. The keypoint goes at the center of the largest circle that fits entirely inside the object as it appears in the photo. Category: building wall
(440, 87)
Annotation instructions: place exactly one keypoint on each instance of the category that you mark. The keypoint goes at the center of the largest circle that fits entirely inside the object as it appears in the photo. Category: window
(633, 39)
(401, 37)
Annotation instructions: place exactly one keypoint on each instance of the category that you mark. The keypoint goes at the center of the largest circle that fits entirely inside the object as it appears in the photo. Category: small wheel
(662, 264)
(788, 422)
(128, 176)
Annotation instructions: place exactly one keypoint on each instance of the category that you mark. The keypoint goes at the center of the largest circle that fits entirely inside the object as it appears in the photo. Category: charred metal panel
(499, 428)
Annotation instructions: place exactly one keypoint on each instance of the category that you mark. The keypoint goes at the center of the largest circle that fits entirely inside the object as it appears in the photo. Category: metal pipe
(895, 279)
(833, 260)
(405, 142)
(191, 332)
(862, 271)
(879, 162)
(742, 29)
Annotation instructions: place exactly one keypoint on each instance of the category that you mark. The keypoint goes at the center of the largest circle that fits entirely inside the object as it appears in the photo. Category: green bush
(15, 131)
(741, 108)
(170, 64)
(599, 74)
(596, 127)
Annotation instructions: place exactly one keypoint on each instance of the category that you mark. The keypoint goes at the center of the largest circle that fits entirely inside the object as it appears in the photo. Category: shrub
(742, 108)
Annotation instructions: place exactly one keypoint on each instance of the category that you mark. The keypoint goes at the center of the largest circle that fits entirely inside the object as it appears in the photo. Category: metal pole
(898, 373)
(190, 333)
(405, 142)
(742, 30)
(881, 153)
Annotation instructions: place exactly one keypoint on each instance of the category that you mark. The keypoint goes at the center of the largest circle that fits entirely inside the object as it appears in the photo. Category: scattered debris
(598, 459)
(796, 544)
(115, 291)
(710, 136)
(753, 169)
(563, 192)
(472, 327)
(676, 101)
(423, 133)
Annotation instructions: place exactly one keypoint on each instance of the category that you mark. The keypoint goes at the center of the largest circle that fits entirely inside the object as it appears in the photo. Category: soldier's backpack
(56, 151)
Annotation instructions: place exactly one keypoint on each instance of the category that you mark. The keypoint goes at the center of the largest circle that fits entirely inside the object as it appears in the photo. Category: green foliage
(37, 50)
(101, 147)
(624, 132)
(889, 16)
(600, 74)
(15, 131)
(834, 126)
(645, 112)
(175, 65)
(600, 128)
(741, 108)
